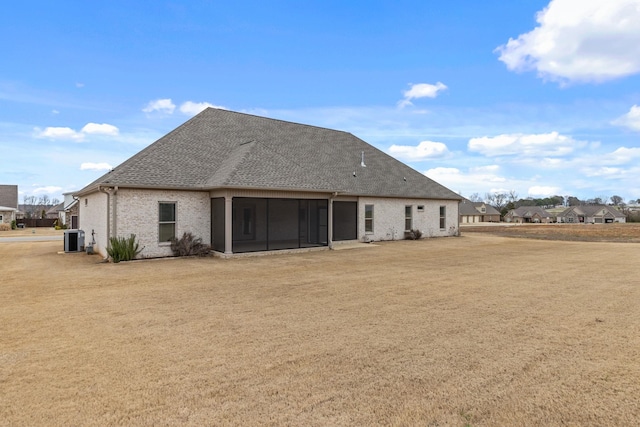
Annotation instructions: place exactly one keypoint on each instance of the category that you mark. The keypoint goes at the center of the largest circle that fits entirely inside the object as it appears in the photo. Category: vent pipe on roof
(362, 161)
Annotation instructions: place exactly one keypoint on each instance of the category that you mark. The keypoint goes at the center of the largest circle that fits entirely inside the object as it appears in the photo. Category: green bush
(123, 248)
(188, 245)
(14, 225)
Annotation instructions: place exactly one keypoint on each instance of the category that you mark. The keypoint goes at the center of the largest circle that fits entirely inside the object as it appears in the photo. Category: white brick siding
(389, 218)
(137, 213)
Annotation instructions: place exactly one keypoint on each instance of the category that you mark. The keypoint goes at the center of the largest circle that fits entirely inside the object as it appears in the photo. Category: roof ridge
(277, 120)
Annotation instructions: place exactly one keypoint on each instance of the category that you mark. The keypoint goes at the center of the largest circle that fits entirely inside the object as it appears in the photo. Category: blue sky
(539, 97)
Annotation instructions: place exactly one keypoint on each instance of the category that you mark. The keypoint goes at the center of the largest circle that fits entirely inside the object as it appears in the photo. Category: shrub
(5, 227)
(14, 225)
(414, 234)
(123, 249)
(188, 245)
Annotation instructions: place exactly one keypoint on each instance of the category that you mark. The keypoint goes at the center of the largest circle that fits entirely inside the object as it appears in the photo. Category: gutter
(100, 189)
(115, 211)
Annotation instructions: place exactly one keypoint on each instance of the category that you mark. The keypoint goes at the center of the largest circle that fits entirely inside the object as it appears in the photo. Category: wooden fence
(33, 222)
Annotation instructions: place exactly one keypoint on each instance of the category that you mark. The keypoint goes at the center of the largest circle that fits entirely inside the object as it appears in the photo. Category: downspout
(100, 189)
(115, 211)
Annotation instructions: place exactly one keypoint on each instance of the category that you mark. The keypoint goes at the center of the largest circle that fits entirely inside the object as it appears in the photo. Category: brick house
(474, 212)
(591, 214)
(245, 183)
(529, 214)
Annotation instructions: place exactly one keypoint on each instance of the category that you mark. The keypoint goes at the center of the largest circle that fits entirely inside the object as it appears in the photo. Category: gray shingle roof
(592, 210)
(224, 149)
(9, 196)
(529, 211)
(467, 207)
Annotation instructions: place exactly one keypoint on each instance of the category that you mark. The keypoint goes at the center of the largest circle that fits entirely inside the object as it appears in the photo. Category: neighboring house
(529, 214)
(7, 214)
(591, 214)
(472, 212)
(245, 183)
(53, 212)
(8, 203)
(69, 213)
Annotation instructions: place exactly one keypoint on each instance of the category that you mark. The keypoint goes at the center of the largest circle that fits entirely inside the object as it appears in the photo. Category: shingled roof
(224, 149)
(592, 211)
(9, 196)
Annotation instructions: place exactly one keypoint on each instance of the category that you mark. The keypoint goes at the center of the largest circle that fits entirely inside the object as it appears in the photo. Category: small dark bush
(188, 245)
(123, 249)
(414, 234)
(14, 225)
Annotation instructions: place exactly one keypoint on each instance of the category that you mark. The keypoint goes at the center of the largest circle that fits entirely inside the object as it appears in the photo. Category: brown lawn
(617, 232)
(478, 330)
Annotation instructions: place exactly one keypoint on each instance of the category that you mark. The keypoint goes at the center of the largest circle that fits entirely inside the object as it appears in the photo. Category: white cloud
(579, 41)
(165, 106)
(529, 145)
(467, 182)
(100, 129)
(421, 90)
(59, 133)
(622, 155)
(424, 150)
(47, 190)
(630, 120)
(66, 133)
(95, 166)
(543, 191)
(191, 108)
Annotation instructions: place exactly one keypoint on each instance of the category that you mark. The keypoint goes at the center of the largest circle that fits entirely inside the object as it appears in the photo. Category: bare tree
(497, 200)
(512, 197)
(30, 205)
(44, 200)
(573, 201)
(617, 200)
(475, 197)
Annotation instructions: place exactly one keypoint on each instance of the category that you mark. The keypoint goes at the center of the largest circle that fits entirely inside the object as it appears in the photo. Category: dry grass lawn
(478, 330)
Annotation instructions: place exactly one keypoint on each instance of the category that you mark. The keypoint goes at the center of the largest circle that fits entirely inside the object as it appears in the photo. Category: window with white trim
(368, 218)
(166, 221)
(408, 218)
(443, 217)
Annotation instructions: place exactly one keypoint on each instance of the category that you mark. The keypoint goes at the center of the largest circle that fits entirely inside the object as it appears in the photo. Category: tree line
(505, 201)
(37, 207)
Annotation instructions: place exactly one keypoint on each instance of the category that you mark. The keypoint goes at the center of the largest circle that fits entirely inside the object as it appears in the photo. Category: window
(166, 221)
(86, 202)
(443, 214)
(420, 208)
(408, 220)
(1, 218)
(368, 218)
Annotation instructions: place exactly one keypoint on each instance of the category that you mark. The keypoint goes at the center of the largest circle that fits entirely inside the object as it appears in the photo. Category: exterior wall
(137, 213)
(72, 211)
(7, 216)
(389, 218)
(93, 218)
